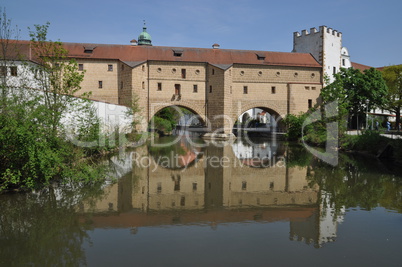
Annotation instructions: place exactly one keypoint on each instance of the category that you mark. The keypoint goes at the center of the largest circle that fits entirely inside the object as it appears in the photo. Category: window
(143, 68)
(121, 85)
(159, 187)
(260, 56)
(159, 70)
(307, 87)
(3, 71)
(13, 71)
(177, 89)
(182, 201)
(245, 90)
(109, 67)
(177, 52)
(80, 67)
(213, 71)
(271, 185)
(183, 73)
(100, 84)
(334, 70)
(343, 62)
(159, 86)
(313, 88)
(243, 185)
(143, 85)
(210, 88)
(122, 66)
(310, 103)
(273, 90)
(195, 88)
(194, 186)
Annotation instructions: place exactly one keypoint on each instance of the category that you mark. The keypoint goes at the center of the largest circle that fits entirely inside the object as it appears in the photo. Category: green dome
(144, 38)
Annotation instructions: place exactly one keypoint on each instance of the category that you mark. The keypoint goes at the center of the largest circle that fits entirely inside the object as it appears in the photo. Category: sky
(371, 29)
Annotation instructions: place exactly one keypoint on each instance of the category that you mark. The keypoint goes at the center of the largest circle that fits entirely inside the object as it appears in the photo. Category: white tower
(326, 47)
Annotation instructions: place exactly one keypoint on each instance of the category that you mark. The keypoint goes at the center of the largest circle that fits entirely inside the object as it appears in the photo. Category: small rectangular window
(100, 84)
(313, 88)
(109, 67)
(121, 85)
(183, 73)
(159, 86)
(182, 201)
(245, 90)
(334, 70)
(122, 66)
(244, 185)
(273, 90)
(210, 88)
(195, 88)
(159, 187)
(213, 71)
(310, 103)
(307, 87)
(3, 71)
(194, 186)
(13, 71)
(80, 67)
(343, 62)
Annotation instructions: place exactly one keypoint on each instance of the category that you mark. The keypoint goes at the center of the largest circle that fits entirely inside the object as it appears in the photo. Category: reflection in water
(217, 185)
(213, 186)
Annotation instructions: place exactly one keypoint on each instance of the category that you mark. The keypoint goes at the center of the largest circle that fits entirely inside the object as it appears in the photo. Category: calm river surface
(255, 202)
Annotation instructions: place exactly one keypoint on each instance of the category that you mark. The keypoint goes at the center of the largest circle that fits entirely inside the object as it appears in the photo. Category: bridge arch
(276, 112)
(156, 107)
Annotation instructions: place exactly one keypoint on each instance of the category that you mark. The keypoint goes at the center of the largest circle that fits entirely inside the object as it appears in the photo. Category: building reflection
(216, 186)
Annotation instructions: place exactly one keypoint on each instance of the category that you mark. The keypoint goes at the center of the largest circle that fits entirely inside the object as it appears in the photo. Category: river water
(185, 202)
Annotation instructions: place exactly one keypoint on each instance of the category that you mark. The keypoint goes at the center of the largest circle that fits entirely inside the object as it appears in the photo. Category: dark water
(196, 204)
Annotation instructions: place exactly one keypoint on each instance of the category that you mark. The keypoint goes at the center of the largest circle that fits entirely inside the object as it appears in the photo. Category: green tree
(393, 78)
(8, 36)
(57, 75)
(356, 91)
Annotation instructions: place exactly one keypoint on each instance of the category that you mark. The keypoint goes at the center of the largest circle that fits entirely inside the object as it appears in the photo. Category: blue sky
(371, 29)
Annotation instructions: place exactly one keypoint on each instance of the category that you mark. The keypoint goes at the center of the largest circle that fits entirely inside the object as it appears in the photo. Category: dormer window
(260, 56)
(177, 52)
(89, 49)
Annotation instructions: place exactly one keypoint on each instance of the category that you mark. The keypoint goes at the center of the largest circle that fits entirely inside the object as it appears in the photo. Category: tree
(393, 78)
(356, 91)
(57, 75)
(8, 37)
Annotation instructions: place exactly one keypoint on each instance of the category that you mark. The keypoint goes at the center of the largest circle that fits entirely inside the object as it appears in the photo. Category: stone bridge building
(217, 84)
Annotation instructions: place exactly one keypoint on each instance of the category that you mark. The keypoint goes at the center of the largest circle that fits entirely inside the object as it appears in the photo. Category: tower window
(210, 88)
(334, 70)
(3, 71)
(195, 88)
(273, 90)
(245, 90)
(13, 71)
(183, 73)
(100, 84)
(213, 71)
(343, 62)
(109, 67)
(310, 103)
(159, 86)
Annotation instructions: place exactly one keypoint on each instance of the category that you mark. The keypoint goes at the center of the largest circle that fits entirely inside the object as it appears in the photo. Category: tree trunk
(398, 117)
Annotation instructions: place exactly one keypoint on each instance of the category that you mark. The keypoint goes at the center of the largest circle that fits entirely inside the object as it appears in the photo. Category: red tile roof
(360, 67)
(130, 53)
(212, 56)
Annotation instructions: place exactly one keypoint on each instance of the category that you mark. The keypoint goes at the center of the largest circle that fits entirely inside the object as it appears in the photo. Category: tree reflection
(357, 182)
(42, 229)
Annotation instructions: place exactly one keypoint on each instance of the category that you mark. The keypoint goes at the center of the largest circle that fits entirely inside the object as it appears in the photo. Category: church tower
(326, 47)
